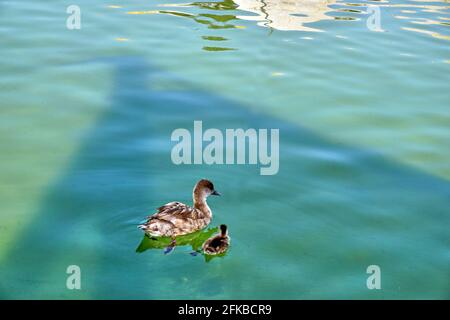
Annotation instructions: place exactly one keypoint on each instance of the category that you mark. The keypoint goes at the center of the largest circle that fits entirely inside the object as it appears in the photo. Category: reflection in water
(414, 18)
(412, 13)
(286, 15)
(195, 240)
(280, 15)
(212, 38)
(297, 15)
(211, 20)
(209, 48)
(430, 33)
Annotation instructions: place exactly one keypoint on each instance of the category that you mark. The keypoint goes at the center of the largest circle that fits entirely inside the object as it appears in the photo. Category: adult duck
(175, 218)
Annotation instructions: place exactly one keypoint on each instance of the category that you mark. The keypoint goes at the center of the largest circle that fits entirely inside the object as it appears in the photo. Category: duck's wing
(174, 218)
(174, 209)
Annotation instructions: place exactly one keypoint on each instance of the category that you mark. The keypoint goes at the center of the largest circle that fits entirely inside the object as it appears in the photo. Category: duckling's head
(205, 188)
(223, 230)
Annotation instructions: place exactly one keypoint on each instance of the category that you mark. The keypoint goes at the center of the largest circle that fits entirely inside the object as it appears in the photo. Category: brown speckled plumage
(176, 218)
(218, 243)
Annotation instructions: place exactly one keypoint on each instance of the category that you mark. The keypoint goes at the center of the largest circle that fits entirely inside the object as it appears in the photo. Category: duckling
(175, 218)
(218, 243)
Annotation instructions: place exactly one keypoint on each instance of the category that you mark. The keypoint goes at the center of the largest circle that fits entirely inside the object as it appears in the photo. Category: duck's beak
(215, 193)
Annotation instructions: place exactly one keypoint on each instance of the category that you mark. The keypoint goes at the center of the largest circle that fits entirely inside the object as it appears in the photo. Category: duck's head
(223, 230)
(205, 188)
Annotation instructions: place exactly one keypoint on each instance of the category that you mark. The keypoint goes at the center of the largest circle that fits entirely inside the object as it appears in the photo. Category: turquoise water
(364, 120)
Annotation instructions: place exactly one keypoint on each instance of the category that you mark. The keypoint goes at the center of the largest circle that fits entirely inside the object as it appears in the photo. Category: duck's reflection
(194, 240)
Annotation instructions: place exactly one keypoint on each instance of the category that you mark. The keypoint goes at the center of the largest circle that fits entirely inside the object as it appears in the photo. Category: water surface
(364, 124)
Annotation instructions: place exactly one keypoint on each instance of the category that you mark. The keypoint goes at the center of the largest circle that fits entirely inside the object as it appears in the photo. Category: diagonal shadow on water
(89, 216)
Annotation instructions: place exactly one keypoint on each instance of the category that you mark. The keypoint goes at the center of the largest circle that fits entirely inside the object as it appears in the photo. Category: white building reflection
(286, 14)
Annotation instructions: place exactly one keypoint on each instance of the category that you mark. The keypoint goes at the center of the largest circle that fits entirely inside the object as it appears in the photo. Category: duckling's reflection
(195, 240)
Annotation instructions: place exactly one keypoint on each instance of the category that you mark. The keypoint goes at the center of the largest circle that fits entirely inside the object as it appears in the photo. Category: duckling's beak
(215, 193)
